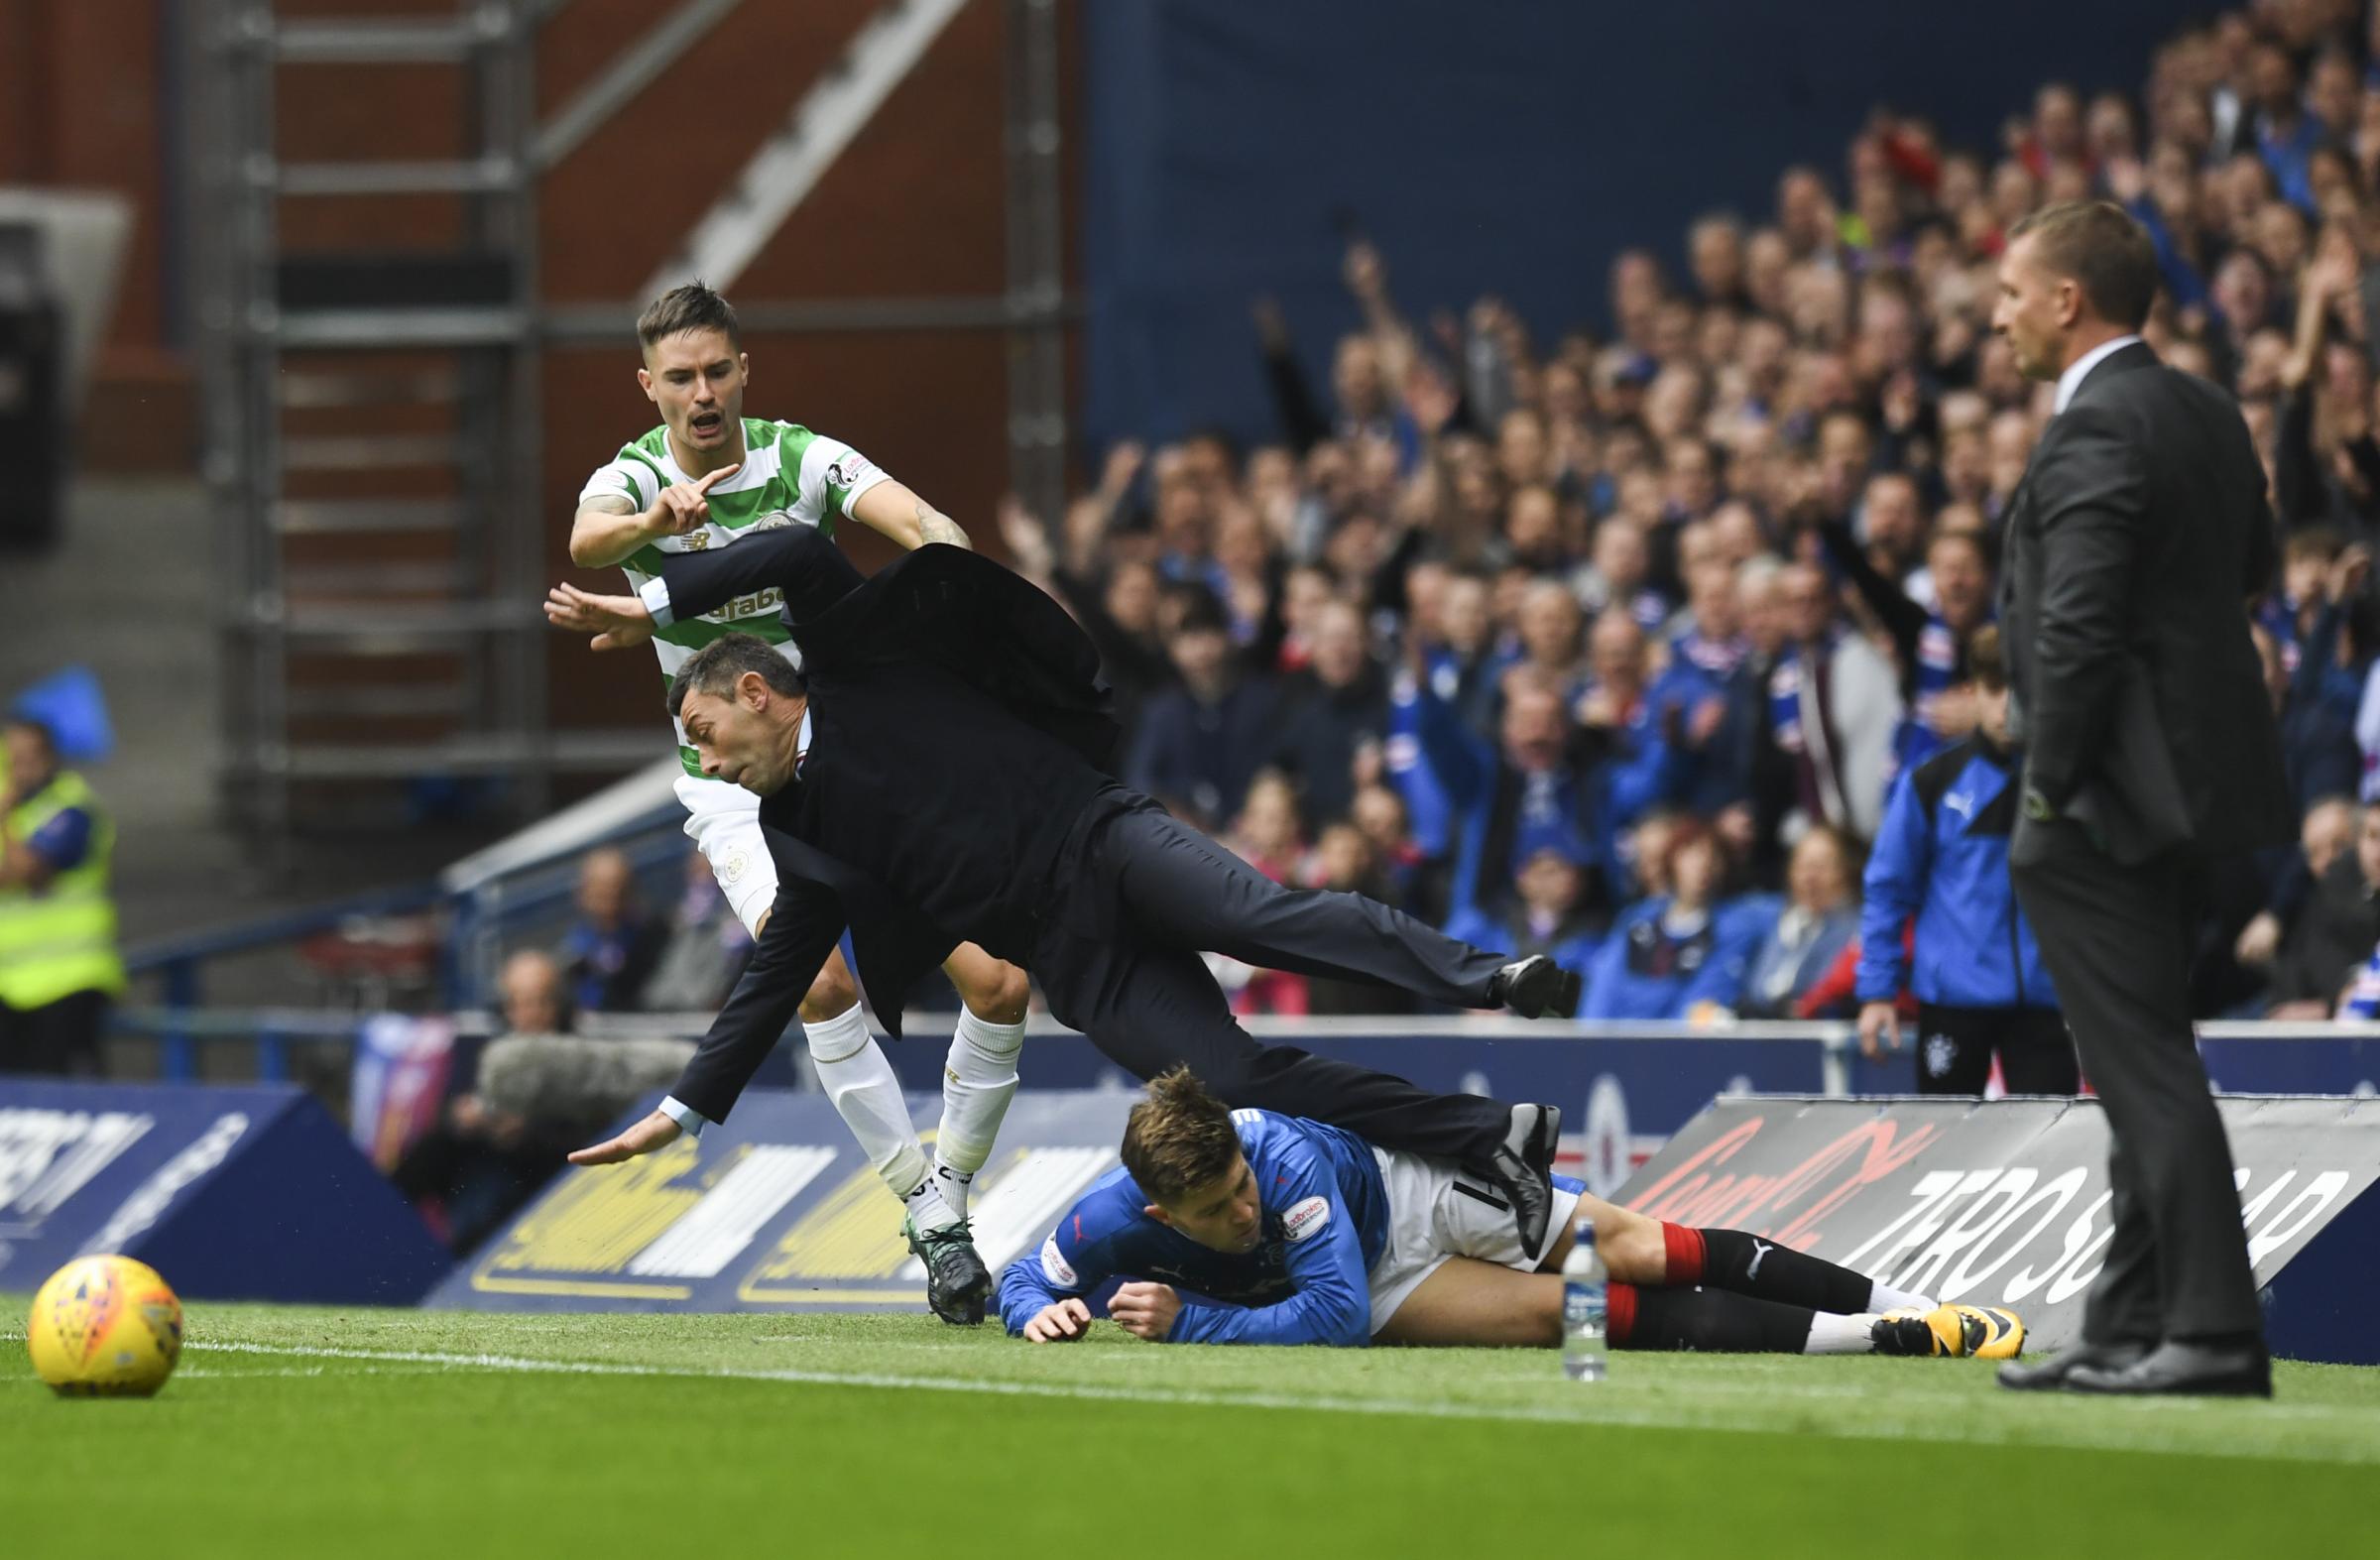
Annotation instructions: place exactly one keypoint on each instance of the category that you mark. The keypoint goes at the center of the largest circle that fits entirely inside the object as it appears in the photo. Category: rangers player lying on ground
(1295, 1232)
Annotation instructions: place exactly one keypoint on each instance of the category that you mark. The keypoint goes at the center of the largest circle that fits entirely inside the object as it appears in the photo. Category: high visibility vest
(59, 938)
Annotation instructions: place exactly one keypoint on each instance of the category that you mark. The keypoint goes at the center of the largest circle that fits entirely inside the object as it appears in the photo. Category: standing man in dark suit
(1029, 847)
(2137, 535)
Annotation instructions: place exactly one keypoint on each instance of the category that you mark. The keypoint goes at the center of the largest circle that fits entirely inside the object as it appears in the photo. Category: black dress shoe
(2183, 1369)
(2049, 1375)
(1523, 1168)
(1534, 987)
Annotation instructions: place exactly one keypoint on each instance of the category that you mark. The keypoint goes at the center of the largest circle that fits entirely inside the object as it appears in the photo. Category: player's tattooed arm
(934, 526)
(894, 511)
(600, 531)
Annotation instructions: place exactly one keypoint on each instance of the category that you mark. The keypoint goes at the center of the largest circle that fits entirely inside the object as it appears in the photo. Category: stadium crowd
(1616, 647)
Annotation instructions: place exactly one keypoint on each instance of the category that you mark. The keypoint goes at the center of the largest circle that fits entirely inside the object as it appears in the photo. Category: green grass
(435, 1435)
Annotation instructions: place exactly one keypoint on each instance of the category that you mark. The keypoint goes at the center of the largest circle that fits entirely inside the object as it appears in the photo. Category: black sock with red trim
(1764, 1269)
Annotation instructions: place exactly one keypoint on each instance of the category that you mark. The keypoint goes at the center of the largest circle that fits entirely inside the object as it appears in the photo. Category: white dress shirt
(2071, 380)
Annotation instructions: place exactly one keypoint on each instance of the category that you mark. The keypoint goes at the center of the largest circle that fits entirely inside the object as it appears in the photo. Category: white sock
(978, 1082)
(928, 1208)
(1883, 1297)
(860, 1080)
(1831, 1334)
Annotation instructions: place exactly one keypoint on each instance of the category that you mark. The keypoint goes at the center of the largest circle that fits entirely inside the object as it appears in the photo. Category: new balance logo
(1760, 1251)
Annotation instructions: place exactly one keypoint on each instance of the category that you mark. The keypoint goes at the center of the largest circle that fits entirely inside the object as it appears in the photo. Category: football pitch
(302, 1431)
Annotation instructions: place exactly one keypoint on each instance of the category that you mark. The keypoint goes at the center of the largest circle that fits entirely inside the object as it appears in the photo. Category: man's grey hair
(718, 666)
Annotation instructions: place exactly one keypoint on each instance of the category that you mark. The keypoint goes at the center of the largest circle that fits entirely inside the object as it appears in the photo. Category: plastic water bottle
(1585, 1294)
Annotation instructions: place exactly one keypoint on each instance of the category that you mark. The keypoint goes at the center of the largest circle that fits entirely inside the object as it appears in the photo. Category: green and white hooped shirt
(791, 477)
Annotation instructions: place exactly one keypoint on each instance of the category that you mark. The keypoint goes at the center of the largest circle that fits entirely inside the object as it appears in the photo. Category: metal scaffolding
(371, 423)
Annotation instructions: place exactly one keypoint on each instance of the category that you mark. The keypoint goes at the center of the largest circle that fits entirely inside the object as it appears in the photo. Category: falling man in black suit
(1026, 845)
(2133, 543)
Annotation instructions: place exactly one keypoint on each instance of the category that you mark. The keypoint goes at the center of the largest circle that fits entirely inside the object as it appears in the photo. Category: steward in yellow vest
(59, 965)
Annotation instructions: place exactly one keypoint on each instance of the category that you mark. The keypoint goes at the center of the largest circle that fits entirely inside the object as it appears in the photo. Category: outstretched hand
(656, 1131)
(617, 622)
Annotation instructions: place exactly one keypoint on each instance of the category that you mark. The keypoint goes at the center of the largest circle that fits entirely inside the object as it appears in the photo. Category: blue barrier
(1641, 1081)
(232, 1193)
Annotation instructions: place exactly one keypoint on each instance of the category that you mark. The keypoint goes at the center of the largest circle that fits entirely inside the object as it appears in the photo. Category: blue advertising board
(230, 1193)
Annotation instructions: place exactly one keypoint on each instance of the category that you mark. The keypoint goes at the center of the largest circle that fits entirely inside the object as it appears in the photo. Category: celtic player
(706, 476)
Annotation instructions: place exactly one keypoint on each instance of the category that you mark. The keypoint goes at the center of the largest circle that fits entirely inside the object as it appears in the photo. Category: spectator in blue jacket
(1508, 801)
(1549, 914)
(1820, 918)
(1631, 766)
(1459, 662)
(1669, 956)
(1708, 675)
(1942, 856)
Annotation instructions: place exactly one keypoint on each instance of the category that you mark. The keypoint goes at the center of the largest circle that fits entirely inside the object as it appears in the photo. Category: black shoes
(1534, 987)
(2133, 1370)
(1523, 1168)
(2049, 1375)
(2182, 1369)
(956, 1281)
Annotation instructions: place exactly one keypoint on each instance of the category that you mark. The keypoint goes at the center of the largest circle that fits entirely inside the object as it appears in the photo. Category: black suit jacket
(959, 730)
(2133, 543)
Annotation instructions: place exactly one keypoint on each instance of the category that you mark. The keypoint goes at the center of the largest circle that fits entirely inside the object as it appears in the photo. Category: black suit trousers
(2118, 942)
(1119, 960)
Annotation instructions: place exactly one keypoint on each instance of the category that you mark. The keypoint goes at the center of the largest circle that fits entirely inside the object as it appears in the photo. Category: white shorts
(1434, 1213)
(724, 822)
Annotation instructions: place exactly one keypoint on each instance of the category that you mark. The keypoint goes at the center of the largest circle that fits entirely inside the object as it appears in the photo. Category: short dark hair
(1179, 1139)
(693, 306)
(2100, 245)
(1202, 612)
(718, 666)
(1984, 662)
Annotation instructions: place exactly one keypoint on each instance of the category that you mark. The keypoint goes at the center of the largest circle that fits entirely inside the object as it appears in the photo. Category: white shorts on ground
(724, 821)
(1434, 1213)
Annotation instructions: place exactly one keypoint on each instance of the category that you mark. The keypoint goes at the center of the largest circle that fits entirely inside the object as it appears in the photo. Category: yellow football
(104, 1327)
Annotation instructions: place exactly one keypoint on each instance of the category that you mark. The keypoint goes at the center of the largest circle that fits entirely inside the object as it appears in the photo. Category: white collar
(801, 743)
(2071, 380)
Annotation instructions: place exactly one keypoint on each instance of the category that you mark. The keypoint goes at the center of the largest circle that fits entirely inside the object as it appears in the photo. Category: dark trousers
(1119, 961)
(58, 1040)
(1954, 1046)
(2118, 942)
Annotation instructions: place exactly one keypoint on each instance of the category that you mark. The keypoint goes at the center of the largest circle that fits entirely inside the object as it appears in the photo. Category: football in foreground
(104, 1327)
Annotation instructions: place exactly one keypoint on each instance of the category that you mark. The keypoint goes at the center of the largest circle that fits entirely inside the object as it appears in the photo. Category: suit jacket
(2137, 535)
(958, 732)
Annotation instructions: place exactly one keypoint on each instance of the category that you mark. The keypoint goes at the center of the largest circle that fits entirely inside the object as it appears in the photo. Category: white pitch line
(2035, 1432)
